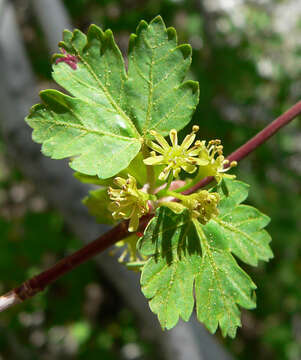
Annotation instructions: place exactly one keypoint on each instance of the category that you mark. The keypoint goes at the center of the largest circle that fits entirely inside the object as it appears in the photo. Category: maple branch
(254, 142)
(38, 283)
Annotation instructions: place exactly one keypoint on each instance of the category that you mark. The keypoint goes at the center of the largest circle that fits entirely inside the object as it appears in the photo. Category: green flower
(128, 202)
(213, 162)
(202, 205)
(176, 157)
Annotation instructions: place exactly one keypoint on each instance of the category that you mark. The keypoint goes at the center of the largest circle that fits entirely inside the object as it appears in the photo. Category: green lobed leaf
(156, 95)
(92, 127)
(243, 225)
(183, 251)
(183, 254)
(102, 126)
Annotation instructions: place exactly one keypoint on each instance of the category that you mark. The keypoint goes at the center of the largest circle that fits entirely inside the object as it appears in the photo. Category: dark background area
(247, 59)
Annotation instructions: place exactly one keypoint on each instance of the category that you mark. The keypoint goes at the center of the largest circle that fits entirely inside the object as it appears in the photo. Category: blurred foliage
(80, 316)
(246, 56)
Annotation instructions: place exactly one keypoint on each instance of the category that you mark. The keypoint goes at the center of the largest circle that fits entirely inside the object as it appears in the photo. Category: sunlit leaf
(92, 127)
(102, 126)
(157, 97)
(243, 225)
(184, 254)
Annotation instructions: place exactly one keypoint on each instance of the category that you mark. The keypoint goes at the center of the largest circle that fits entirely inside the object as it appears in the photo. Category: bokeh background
(247, 59)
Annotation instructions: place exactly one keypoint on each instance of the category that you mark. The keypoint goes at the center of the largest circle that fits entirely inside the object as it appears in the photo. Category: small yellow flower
(176, 157)
(213, 161)
(203, 205)
(129, 202)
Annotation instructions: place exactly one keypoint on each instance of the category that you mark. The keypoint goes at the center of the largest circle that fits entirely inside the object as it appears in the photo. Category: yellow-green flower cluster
(209, 157)
(176, 156)
(202, 205)
(214, 163)
(128, 202)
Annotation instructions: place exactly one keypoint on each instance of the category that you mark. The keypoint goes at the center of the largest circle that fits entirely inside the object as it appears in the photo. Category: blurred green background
(247, 58)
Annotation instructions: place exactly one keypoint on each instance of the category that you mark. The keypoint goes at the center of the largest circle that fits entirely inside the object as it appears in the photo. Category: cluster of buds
(209, 157)
(214, 162)
(176, 156)
(202, 205)
(128, 202)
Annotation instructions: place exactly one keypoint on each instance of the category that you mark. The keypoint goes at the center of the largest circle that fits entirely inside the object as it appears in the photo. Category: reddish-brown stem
(39, 282)
(255, 142)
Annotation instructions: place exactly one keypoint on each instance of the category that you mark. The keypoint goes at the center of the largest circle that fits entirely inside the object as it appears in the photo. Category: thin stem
(39, 282)
(175, 195)
(255, 142)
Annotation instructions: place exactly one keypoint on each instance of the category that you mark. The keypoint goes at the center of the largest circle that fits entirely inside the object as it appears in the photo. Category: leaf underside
(104, 122)
(187, 257)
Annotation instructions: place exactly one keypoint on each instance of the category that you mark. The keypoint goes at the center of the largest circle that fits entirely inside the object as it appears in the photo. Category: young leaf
(92, 127)
(97, 203)
(243, 225)
(157, 97)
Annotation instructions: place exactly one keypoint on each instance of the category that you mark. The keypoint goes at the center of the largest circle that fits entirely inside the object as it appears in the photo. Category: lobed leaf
(157, 97)
(92, 127)
(243, 225)
(102, 126)
(183, 253)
